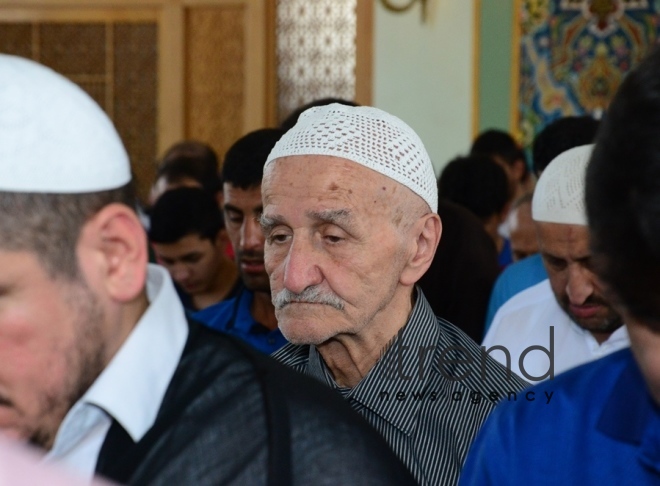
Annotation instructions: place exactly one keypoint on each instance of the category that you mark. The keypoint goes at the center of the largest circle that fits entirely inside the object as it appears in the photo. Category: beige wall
(423, 73)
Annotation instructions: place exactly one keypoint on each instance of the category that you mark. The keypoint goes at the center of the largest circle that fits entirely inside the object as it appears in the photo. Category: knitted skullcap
(559, 193)
(367, 136)
(53, 137)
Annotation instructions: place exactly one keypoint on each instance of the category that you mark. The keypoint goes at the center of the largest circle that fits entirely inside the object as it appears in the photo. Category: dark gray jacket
(234, 416)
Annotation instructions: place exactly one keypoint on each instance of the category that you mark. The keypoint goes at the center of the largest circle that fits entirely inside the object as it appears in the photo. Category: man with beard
(566, 317)
(250, 315)
(559, 136)
(100, 367)
(605, 427)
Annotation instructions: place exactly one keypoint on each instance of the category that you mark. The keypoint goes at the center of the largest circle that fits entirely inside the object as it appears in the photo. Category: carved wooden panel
(16, 39)
(134, 97)
(215, 74)
(115, 63)
(73, 48)
(316, 51)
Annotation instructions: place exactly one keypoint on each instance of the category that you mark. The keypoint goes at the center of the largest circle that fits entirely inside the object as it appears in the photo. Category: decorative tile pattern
(315, 51)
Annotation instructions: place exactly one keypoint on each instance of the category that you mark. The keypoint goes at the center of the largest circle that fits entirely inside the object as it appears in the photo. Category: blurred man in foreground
(99, 365)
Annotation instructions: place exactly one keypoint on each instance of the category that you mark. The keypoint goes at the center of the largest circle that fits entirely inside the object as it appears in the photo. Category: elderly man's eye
(555, 263)
(276, 238)
(333, 238)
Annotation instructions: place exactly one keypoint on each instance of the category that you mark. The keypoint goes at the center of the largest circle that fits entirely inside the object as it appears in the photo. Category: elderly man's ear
(425, 235)
(112, 251)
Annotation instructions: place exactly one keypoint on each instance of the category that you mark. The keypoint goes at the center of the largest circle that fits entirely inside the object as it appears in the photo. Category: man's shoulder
(537, 293)
(522, 317)
(464, 363)
(212, 358)
(563, 414)
(514, 279)
(521, 275)
(227, 394)
(328, 439)
(218, 315)
(575, 391)
(532, 299)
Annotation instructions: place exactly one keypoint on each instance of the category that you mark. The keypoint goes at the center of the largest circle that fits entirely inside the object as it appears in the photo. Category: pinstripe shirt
(427, 395)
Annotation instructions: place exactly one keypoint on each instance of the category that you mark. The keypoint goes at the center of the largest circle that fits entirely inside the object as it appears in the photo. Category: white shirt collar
(618, 339)
(132, 386)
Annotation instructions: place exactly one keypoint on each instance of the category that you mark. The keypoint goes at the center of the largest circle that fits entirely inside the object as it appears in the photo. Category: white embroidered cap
(559, 193)
(367, 136)
(53, 137)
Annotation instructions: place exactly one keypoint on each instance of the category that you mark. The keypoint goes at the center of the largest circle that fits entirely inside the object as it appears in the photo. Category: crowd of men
(141, 355)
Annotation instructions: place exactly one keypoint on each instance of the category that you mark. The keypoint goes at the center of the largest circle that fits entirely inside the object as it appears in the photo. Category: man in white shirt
(566, 319)
(99, 365)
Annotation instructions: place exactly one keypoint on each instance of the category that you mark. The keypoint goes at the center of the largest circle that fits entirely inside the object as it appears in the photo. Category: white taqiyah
(367, 136)
(53, 137)
(559, 192)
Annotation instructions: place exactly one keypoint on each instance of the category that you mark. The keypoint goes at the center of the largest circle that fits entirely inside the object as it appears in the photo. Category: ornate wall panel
(74, 49)
(215, 74)
(316, 51)
(575, 53)
(16, 39)
(134, 89)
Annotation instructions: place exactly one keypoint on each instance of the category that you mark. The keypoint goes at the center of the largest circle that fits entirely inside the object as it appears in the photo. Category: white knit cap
(53, 137)
(559, 193)
(367, 136)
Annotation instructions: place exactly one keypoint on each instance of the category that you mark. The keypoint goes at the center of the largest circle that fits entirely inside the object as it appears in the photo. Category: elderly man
(567, 316)
(99, 365)
(350, 223)
(559, 136)
(606, 426)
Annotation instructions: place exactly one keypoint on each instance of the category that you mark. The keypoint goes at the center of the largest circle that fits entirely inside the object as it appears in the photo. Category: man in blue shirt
(603, 425)
(250, 315)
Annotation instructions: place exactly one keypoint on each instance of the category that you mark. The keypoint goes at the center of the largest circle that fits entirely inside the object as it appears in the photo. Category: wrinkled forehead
(569, 239)
(308, 180)
(338, 173)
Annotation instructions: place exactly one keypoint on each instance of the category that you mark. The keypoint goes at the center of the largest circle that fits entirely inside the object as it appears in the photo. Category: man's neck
(263, 311)
(224, 283)
(350, 357)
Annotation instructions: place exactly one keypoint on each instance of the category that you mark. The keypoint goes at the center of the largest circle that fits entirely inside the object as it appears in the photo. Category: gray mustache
(311, 295)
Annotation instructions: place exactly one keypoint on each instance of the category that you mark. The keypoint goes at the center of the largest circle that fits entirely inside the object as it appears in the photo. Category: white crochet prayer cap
(367, 136)
(53, 137)
(559, 193)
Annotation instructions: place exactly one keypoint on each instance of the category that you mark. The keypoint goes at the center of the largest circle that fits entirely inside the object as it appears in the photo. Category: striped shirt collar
(403, 369)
